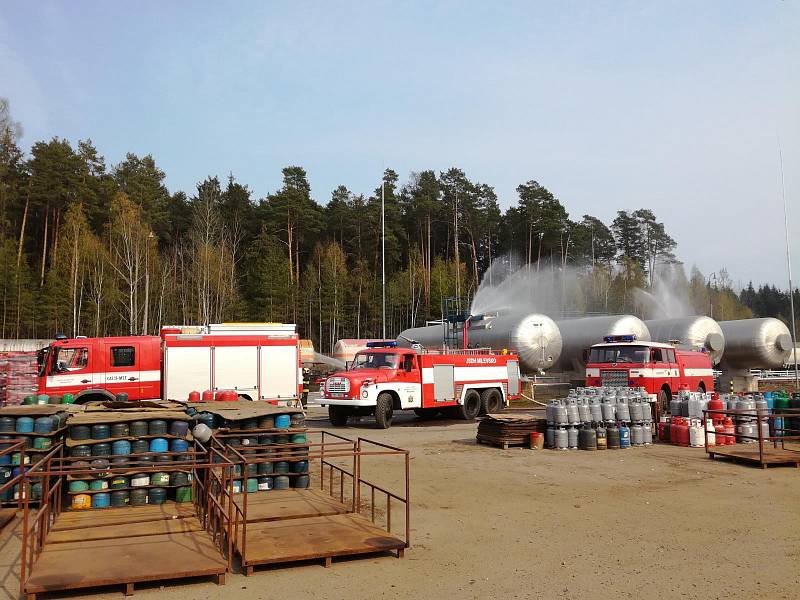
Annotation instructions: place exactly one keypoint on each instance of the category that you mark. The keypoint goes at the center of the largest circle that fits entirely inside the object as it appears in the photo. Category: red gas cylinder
(719, 429)
(194, 396)
(715, 404)
(208, 395)
(230, 396)
(730, 431)
(661, 425)
(679, 431)
(219, 395)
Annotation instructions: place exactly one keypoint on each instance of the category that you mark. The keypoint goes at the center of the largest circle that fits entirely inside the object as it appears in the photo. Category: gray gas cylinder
(675, 406)
(561, 439)
(596, 409)
(635, 409)
(572, 438)
(764, 425)
(550, 437)
(637, 435)
(647, 411)
(609, 412)
(560, 414)
(573, 416)
(647, 434)
(623, 412)
(584, 412)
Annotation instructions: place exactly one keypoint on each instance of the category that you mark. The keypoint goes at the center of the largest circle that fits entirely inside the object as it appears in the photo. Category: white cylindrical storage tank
(755, 343)
(535, 338)
(697, 331)
(306, 351)
(345, 350)
(578, 335)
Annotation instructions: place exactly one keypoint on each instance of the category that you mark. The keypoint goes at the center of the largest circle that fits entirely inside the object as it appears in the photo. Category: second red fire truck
(661, 369)
(385, 378)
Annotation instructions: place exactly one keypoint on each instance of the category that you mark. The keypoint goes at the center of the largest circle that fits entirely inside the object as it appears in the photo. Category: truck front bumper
(346, 402)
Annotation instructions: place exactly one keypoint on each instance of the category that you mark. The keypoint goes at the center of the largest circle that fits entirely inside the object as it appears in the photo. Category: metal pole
(383, 256)
(789, 269)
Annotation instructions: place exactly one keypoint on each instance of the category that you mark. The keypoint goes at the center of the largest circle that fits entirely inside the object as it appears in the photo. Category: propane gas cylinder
(624, 436)
(602, 442)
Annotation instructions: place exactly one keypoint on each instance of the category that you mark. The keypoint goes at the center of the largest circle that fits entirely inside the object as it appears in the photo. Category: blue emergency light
(387, 344)
(612, 339)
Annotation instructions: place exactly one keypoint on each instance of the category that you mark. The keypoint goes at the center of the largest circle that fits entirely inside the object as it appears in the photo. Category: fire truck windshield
(375, 360)
(619, 354)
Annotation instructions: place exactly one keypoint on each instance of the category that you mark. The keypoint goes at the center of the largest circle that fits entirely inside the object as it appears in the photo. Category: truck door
(408, 378)
(70, 369)
(661, 369)
(122, 371)
(513, 378)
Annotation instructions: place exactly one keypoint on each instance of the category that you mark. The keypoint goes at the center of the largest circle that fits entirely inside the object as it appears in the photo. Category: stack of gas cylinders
(738, 421)
(599, 419)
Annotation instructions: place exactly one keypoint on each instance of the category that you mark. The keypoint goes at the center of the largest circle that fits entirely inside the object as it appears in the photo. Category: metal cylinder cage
(335, 470)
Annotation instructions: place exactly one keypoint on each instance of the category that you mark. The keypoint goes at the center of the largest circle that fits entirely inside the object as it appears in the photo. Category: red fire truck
(384, 378)
(662, 369)
(258, 361)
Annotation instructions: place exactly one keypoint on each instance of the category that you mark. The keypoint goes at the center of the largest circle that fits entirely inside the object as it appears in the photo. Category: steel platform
(749, 453)
(292, 525)
(124, 546)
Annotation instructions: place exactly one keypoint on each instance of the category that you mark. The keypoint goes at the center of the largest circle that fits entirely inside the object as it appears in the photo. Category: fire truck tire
(491, 401)
(338, 415)
(471, 406)
(663, 402)
(383, 410)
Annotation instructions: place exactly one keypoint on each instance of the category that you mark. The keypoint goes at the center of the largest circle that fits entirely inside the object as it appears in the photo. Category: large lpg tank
(534, 337)
(698, 331)
(579, 334)
(755, 343)
(430, 336)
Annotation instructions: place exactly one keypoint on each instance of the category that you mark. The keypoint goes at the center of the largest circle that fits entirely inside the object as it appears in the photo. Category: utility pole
(383, 255)
(789, 268)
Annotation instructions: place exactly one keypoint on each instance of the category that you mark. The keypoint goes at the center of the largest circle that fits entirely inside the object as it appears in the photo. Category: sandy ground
(660, 522)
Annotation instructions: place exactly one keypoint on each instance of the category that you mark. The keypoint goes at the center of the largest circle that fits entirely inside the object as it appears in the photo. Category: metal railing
(11, 449)
(783, 427)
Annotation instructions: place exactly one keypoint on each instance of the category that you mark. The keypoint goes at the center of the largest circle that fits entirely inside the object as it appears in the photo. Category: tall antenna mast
(789, 267)
(383, 255)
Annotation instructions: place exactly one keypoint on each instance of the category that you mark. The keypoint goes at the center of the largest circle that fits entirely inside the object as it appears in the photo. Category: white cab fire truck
(661, 369)
(384, 378)
(260, 361)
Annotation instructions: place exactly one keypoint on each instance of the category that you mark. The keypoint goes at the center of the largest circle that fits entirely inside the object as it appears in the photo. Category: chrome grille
(614, 378)
(337, 385)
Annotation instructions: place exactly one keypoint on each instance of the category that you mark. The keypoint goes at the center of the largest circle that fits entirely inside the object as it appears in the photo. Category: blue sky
(675, 106)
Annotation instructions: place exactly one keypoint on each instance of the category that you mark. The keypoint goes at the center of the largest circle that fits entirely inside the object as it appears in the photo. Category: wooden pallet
(125, 548)
(505, 444)
(748, 453)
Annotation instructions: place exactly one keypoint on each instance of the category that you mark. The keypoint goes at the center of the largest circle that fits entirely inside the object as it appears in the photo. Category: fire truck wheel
(338, 415)
(383, 410)
(491, 401)
(663, 402)
(471, 407)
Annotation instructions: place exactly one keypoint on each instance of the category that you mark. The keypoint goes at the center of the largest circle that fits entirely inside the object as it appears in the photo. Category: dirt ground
(658, 522)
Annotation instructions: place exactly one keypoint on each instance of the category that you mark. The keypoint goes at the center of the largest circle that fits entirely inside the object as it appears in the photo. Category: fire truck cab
(384, 378)
(99, 368)
(662, 369)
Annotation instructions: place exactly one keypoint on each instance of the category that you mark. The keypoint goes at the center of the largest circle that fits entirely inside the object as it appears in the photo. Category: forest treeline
(88, 248)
